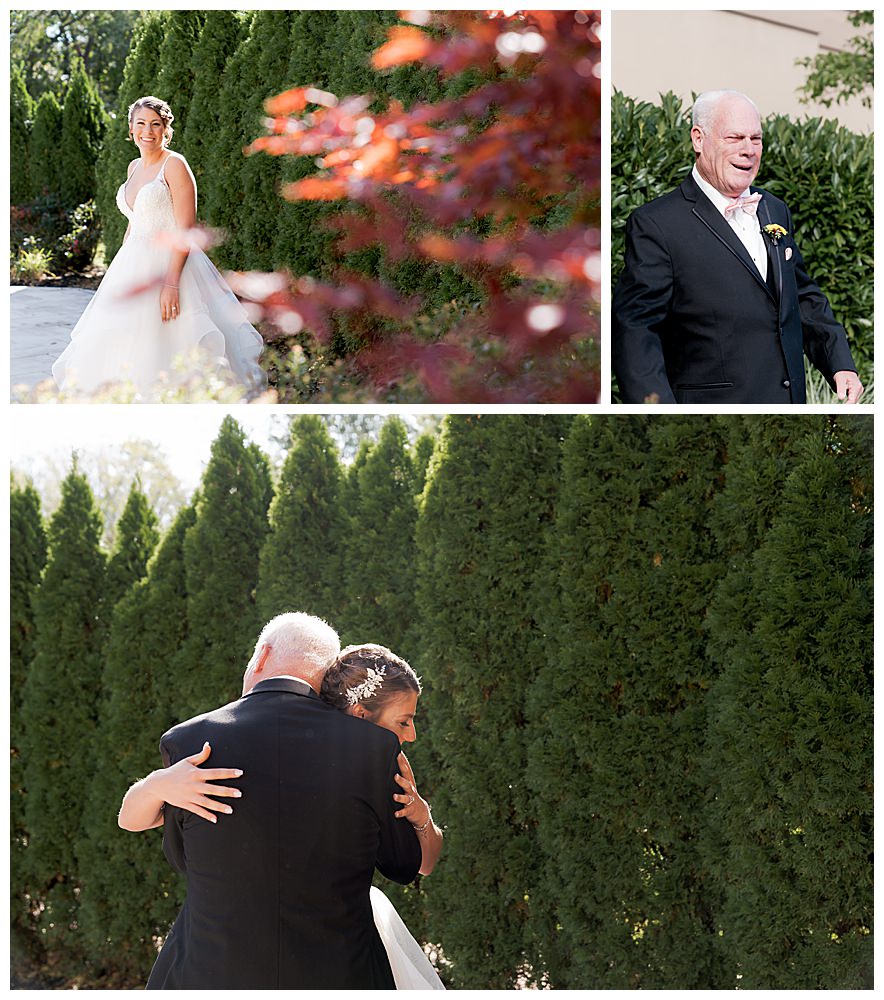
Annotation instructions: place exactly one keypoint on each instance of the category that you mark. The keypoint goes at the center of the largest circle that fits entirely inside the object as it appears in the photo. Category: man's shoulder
(663, 206)
(214, 715)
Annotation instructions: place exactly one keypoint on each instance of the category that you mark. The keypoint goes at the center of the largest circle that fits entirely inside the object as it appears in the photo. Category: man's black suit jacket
(693, 320)
(278, 891)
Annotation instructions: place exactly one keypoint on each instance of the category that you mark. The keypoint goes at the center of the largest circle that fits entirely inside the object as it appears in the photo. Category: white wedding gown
(412, 969)
(121, 339)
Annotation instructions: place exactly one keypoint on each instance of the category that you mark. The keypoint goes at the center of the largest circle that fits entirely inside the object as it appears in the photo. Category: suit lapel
(774, 259)
(712, 219)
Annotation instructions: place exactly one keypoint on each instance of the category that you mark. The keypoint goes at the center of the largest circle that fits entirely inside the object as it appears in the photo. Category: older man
(278, 893)
(715, 305)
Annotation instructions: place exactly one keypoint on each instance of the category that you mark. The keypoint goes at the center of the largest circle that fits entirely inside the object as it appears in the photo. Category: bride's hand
(415, 810)
(184, 785)
(169, 304)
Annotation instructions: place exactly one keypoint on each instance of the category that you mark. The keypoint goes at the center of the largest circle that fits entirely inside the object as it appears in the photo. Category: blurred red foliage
(524, 141)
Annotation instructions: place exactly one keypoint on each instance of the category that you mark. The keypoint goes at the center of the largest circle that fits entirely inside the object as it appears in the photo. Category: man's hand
(848, 386)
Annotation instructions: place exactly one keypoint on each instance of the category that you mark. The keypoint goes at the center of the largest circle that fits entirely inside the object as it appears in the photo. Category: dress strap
(162, 174)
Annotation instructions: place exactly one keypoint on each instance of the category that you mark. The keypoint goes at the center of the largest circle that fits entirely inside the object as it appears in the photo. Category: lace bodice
(152, 211)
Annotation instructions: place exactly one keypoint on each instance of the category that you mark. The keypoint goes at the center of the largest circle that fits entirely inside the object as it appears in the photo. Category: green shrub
(45, 160)
(20, 125)
(821, 170)
(84, 122)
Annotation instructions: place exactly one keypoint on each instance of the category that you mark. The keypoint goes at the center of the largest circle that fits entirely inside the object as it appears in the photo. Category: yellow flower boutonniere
(775, 232)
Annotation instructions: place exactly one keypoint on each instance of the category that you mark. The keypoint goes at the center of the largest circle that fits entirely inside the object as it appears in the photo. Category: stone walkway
(40, 326)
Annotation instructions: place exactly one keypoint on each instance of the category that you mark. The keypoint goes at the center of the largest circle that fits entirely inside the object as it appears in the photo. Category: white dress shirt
(746, 226)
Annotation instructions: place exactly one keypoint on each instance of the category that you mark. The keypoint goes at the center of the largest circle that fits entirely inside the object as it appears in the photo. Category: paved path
(41, 323)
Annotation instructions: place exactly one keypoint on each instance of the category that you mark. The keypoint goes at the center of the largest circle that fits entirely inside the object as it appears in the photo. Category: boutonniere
(775, 232)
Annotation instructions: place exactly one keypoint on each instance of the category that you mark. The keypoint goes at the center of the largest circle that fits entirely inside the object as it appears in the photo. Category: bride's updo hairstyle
(161, 108)
(367, 675)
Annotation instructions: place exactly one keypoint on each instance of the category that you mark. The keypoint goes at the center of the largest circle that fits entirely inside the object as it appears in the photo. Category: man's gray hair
(296, 637)
(703, 113)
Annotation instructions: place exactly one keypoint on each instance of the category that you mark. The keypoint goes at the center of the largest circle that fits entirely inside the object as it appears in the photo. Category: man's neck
(712, 193)
(287, 677)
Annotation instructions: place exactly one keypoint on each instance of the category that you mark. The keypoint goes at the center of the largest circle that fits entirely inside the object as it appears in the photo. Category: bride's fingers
(198, 758)
(216, 773)
(223, 791)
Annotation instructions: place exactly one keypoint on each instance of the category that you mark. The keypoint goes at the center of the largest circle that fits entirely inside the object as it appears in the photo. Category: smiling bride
(163, 316)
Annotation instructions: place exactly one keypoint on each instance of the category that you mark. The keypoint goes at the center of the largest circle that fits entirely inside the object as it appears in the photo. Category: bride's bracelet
(421, 829)
(169, 286)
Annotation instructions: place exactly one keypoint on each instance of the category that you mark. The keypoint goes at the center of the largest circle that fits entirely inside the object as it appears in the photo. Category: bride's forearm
(431, 846)
(142, 807)
(176, 266)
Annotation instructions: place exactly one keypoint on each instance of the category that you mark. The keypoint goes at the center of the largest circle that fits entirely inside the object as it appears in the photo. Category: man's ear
(697, 138)
(263, 655)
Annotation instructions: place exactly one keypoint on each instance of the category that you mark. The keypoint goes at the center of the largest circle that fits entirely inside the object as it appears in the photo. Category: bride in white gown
(163, 315)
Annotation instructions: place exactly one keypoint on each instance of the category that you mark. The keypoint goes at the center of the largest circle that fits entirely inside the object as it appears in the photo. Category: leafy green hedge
(822, 171)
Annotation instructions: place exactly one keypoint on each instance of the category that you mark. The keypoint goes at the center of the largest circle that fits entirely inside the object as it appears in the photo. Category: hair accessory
(374, 678)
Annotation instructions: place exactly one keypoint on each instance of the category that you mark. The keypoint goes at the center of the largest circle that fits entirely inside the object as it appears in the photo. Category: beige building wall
(752, 51)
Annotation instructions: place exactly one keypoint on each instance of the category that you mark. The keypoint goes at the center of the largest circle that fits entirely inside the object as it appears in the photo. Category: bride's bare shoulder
(177, 166)
(132, 165)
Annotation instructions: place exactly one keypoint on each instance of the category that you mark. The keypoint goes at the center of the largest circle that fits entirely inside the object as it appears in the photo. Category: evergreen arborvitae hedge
(821, 170)
(480, 542)
(27, 557)
(221, 558)
(149, 627)
(792, 728)
(221, 33)
(139, 80)
(379, 556)
(59, 708)
(83, 125)
(301, 568)
(176, 78)
(137, 536)
(577, 709)
(45, 160)
(20, 125)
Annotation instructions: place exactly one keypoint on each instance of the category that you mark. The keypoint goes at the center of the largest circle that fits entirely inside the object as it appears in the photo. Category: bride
(163, 314)
(368, 682)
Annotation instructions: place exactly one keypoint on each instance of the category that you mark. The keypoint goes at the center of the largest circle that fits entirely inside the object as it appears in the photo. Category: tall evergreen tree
(84, 123)
(44, 152)
(792, 728)
(420, 458)
(139, 80)
(619, 711)
(269, 44)
(149, 627)
(220, 35)
(301, 242)
(137, 536)
(480, 541)
(221, 553)
(20, 125)
(27, 557)
(379, 575)
(176, 78)
(58, 709)
(223, 194)
(301, 568)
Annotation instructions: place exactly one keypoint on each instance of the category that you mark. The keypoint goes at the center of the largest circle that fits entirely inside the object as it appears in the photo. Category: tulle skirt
(412, 969)
(121, 340)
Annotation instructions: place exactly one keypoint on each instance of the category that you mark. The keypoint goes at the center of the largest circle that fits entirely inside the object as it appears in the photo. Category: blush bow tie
(749, 205)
